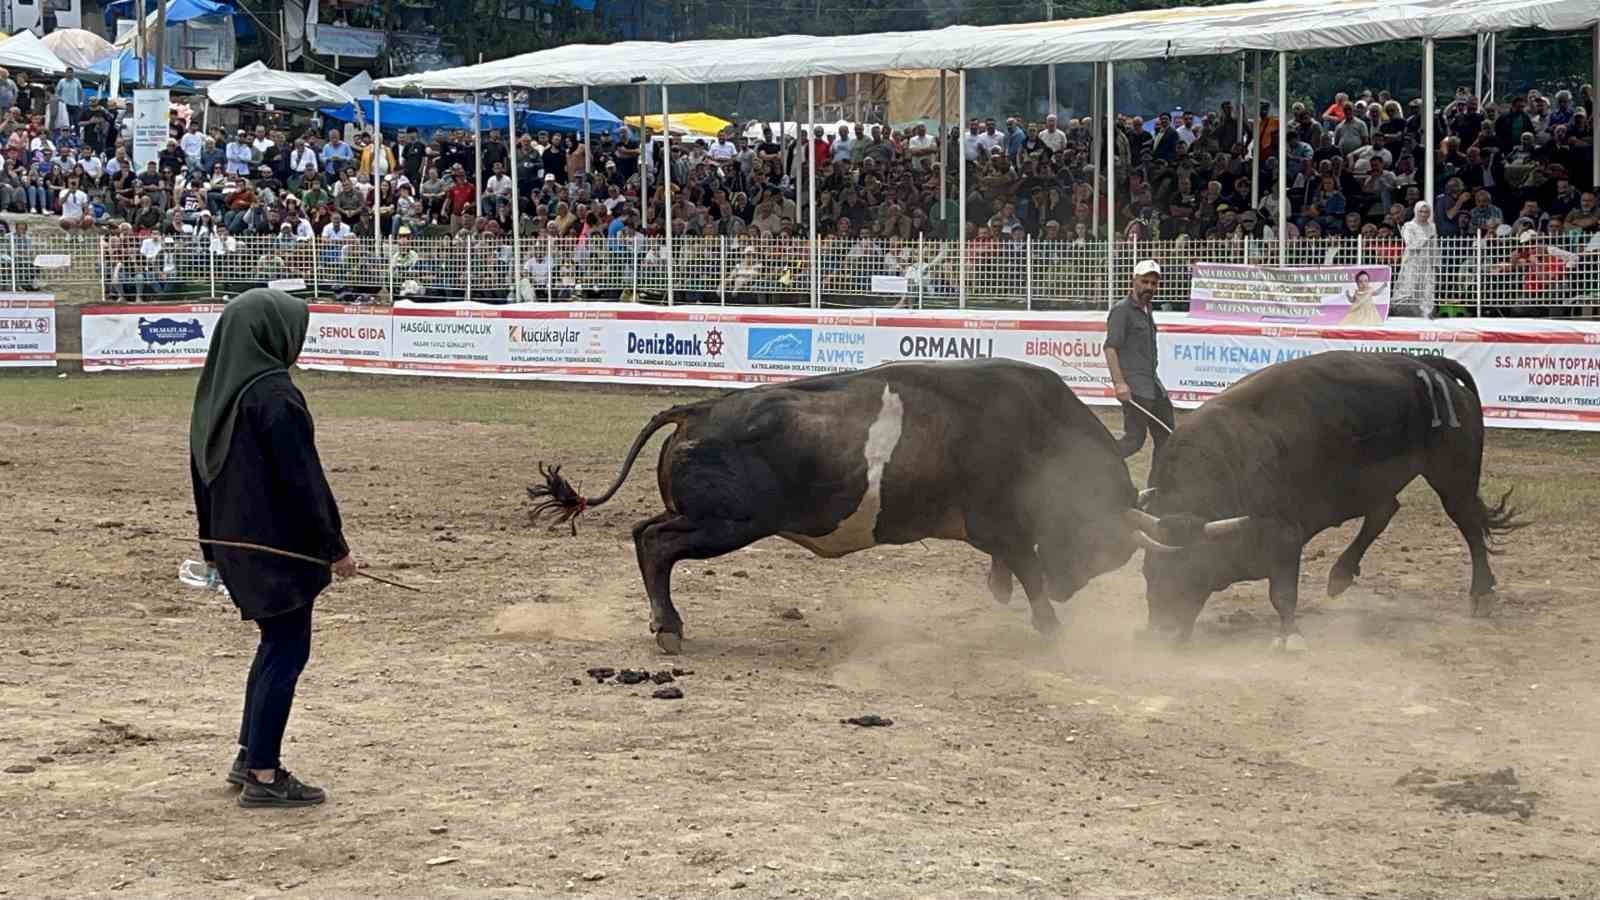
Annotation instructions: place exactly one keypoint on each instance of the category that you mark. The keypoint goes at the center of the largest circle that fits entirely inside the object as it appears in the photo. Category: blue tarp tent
(180, 11)
(130, 71)
(570, 119)
(403, 112)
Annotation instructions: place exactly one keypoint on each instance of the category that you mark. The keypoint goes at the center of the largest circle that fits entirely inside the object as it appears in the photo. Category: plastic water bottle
(197, 573)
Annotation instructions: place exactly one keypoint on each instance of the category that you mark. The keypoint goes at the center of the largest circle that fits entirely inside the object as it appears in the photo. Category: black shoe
(283, 790)
(236, 774)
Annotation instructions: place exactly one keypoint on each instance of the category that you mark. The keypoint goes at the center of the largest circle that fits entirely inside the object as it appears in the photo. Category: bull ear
(1224, 527)
(1150, 544)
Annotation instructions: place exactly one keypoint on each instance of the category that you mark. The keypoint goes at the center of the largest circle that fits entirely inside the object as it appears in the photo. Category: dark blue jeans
(269, 694)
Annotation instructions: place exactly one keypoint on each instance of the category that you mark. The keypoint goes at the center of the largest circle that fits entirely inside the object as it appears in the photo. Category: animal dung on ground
(1492, 793)
(670, 692)
(868, 721)
(630, 676)
(793, 613)
(661, 677)
(601, 673)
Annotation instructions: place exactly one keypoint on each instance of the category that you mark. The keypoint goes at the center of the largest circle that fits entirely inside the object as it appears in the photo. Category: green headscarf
(260, 333)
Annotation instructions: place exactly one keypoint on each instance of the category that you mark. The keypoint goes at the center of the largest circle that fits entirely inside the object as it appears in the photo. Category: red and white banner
(27, 330)
(171, 336)
(1530, 373)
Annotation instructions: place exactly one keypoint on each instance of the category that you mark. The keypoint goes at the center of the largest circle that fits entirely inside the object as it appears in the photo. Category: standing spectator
(1417, 267)
(70, 92)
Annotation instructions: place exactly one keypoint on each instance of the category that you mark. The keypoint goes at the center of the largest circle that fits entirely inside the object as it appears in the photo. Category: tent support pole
(1427, 120)
(1111, 184)
(1095, 145)
(811, 191)
(1283, 156)
(1238, 121)
(1255, 140)
(783, 124)
(587, 168)
(377, 177)
(477, 153)
(961, 189)
(944, 142)
(516, 196)
(666, 181)
(644, 173)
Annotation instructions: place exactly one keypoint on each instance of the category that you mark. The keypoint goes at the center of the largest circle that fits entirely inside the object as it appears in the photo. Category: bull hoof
(1482, 605)
(670, 644)
(1045, 626)
(1339, 581)
(1293, 643)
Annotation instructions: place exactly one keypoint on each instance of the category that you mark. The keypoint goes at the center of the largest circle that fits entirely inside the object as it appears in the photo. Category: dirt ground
(468, 754)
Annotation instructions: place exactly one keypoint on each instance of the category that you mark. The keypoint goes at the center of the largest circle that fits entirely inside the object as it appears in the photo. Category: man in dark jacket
(257, 479)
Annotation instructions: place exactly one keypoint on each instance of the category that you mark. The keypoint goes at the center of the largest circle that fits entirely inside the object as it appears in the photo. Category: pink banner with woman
(1319, 295)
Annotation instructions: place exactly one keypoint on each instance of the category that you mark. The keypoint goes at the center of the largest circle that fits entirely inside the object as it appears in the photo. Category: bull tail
(1452, 369)
(560, 496)
(1500, 519)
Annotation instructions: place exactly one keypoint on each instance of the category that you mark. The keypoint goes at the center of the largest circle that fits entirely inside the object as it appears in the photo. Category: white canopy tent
(78, 48)
(25, 51)
(1269, 25)
(256, 83)
(1280, 26)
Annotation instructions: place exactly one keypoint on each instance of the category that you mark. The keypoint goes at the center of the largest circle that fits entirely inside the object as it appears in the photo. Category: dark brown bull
(1303, 446)
(995, 453)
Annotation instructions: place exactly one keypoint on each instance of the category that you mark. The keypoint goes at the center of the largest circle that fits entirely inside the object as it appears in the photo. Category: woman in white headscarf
(1421, 240)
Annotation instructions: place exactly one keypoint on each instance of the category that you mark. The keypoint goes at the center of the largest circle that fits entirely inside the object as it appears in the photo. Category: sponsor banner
(1310, 295)
(152, 110)
(147, 337)
(360, 333)
(1530, 373)
(27, 330)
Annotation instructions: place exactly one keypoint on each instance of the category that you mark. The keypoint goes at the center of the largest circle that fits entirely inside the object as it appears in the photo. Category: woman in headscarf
(1421, 259)
(258, 479)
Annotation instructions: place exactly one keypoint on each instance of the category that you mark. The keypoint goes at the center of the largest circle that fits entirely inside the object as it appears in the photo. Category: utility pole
(143, 39)
(161, 40)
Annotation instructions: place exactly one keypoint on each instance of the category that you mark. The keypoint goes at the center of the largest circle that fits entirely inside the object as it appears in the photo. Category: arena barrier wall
(27, 330)
(1530, 373)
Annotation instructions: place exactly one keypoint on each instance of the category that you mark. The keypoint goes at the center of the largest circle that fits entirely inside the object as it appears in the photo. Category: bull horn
(1224, 527)
(1150, 544)
(1141, 521)
(1145, 497)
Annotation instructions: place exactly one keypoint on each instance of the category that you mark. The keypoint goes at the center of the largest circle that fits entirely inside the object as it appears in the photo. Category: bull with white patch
(995, 453)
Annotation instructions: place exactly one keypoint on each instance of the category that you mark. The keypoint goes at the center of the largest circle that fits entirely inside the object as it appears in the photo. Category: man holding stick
(1131, 357)
(257, 479)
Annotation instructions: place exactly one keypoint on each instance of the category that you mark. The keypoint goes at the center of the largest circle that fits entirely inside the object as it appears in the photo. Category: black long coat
(271, 491)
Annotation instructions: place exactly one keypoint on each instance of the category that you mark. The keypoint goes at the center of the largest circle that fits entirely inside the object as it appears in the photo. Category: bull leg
(1025, 563)
(999, 581)
(1466, 510)
(1458, 491)
(1283, 588)
(1344, 572)
(663, 540)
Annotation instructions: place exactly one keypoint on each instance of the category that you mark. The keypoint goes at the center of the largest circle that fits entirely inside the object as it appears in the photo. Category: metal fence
(1542, 275)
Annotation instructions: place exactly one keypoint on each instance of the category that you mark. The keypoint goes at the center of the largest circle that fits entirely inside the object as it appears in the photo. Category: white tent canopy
(359, 87)
(25, 51)
(256, 83)
(78, 48)
(1271, 25)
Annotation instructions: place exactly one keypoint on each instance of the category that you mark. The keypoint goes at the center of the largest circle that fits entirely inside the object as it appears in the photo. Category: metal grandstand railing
(1531, 275)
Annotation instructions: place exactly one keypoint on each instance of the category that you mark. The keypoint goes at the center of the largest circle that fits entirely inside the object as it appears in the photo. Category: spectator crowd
(1515, 203)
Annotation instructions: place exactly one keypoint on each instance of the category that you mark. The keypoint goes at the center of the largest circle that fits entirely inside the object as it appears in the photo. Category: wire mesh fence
(1531, 274)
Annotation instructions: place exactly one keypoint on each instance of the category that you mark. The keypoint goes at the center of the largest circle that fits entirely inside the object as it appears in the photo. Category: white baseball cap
(1147, 267)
